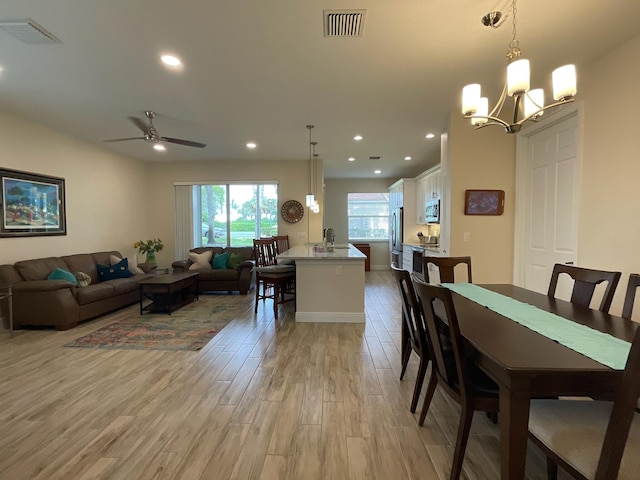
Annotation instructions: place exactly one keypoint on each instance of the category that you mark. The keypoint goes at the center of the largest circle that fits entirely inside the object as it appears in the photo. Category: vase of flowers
(150, 247)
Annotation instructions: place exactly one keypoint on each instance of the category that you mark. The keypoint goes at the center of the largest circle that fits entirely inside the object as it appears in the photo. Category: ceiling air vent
(343, 23)
(28, 31)
(375, 158)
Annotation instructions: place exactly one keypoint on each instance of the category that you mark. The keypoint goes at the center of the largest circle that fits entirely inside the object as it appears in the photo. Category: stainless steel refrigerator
(395, 236)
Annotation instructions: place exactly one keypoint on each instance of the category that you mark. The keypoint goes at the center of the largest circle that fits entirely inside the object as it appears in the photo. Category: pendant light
(310, 198)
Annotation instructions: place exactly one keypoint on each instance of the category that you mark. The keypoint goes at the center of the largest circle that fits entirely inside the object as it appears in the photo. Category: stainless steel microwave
(432, 211)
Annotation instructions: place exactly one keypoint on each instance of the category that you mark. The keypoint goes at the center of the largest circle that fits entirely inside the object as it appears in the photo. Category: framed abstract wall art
(484, 202)
(31, 204)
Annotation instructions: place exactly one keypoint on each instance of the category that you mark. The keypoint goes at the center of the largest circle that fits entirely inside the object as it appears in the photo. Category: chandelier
(311, 201)
(527, 104)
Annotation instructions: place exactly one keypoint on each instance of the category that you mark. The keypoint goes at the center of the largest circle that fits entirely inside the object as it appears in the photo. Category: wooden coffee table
(168, 292)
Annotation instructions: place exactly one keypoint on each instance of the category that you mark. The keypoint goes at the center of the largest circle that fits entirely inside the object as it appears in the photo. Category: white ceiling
(262, 70)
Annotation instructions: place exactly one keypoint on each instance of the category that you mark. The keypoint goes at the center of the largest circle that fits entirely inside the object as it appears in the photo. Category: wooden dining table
(527, 365)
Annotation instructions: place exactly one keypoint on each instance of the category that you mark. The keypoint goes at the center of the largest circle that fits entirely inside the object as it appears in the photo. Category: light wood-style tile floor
(265, 399)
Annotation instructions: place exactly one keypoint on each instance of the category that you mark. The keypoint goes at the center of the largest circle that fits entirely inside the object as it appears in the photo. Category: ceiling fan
(152, 135)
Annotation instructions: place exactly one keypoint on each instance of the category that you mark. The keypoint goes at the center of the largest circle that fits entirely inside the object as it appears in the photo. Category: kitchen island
(329, 284)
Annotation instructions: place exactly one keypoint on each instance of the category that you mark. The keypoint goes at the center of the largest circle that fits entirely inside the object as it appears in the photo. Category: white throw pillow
(201, 261)
(131, 259)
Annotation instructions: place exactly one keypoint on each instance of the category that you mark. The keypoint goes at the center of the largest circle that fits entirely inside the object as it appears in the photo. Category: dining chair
(592, 439)
(273, 281)
(414, 326)
(446, 266)
(458, 376)
(585, 282)
(282, 243)
(630, 296)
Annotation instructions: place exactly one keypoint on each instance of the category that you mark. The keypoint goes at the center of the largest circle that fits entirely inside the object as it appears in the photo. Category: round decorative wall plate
(292, 211)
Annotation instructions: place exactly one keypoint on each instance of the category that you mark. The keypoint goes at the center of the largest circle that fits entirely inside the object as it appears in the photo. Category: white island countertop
(344, 252)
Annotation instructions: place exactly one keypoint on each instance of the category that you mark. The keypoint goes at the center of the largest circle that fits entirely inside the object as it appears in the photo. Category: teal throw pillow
(235, 260)
(61, 274)
(220, 261)
(119, 270)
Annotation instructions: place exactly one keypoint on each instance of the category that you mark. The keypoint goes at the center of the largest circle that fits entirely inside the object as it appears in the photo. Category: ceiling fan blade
(179, 141)
(141, 124)
(124, 139)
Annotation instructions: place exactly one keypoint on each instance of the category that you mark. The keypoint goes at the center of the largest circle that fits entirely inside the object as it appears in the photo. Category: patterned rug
(188, 328)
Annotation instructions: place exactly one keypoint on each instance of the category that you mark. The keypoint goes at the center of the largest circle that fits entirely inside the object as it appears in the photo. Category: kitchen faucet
(330, 236)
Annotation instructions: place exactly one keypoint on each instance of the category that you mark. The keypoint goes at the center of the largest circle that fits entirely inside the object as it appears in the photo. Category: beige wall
(609, 226)
(336, 191)
(482, 159)
(292, 177)
(106, 199)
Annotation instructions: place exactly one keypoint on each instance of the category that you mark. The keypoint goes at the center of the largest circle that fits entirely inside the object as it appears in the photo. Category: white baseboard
(380, 267)
(330, 317)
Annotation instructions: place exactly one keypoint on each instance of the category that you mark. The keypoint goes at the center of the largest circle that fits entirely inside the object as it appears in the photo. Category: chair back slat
(282, 243)
(622, 414)
(629, 298)
(411, 313)
(264, 251)
(446, 266)
(585, 281)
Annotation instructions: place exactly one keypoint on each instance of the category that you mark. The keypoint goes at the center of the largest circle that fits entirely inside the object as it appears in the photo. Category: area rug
(189, 328)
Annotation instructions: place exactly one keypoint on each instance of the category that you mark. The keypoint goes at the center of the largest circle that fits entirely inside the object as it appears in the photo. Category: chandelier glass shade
(528, 104)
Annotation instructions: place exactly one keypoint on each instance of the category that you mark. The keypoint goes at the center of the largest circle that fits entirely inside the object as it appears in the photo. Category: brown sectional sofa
(59, 303)
(221, 280)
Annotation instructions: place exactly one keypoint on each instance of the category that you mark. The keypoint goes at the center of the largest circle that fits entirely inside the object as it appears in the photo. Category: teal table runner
(599, 346)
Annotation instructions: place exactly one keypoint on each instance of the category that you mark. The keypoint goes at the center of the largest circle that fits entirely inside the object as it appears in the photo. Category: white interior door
(548, 180)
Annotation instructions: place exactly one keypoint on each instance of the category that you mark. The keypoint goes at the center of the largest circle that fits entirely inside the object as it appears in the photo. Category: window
(234, 214)
(368, 215)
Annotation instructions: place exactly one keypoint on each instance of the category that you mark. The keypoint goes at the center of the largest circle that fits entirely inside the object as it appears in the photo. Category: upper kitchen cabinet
(403, 194)
(428, 187)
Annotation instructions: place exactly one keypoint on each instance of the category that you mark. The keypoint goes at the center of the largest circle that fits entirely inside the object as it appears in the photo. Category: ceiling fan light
(159, 147)
(470, 98)
(518, 74)
(564, 82)
(534, 102)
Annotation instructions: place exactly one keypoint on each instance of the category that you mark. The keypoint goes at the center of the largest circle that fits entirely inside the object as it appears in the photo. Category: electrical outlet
(467, 236)
(338, 270)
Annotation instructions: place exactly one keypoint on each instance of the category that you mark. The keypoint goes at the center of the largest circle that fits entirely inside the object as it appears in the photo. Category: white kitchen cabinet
(421, 192)
(428, 187)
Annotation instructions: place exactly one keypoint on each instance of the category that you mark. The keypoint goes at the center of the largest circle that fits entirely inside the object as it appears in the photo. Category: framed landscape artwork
(31, 204)
(484, 202)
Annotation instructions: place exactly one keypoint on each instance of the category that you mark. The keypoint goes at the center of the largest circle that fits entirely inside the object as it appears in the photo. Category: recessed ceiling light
(430, 135)
(351, 159)
(159, 147)
(377, 172)
(251, 145)
(407, 158)
(357, 138)
(171, 60)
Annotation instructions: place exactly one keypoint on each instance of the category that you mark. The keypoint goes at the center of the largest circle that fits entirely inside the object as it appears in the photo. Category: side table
(5, 294)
